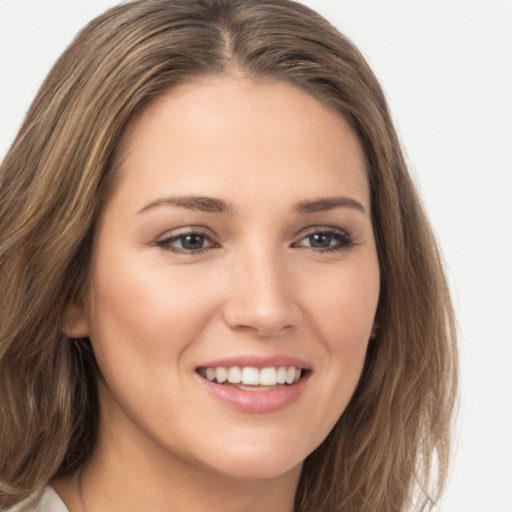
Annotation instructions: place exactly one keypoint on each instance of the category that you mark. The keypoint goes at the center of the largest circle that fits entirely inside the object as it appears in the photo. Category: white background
(446, 68)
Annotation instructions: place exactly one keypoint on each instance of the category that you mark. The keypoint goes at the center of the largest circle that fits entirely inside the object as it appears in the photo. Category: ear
(374, 331)
(75, 322)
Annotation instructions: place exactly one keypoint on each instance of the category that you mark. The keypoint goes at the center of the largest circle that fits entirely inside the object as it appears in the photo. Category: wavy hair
(390, 448)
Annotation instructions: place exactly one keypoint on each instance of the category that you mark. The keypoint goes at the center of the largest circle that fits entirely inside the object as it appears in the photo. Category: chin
(258, 469)
(259, 460)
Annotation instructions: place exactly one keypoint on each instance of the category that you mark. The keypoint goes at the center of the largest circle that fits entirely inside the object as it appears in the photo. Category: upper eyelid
(322, 229)
(187, 230)
(203, 230)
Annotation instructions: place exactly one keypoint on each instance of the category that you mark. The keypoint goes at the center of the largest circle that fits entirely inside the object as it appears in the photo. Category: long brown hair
(390, 448)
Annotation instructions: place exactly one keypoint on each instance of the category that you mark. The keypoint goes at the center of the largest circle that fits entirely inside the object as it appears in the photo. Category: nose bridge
(261, 295)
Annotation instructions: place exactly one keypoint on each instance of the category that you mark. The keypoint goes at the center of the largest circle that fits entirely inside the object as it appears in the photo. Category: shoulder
(47, 500)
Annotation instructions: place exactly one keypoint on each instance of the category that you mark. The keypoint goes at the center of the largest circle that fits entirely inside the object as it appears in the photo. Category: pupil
(320, 240)
(192, 242)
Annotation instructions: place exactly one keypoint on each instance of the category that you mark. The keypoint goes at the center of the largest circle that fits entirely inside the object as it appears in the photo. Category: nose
(262, 298)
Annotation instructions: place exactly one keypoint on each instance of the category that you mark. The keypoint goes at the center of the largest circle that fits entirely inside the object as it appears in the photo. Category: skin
(257, 288)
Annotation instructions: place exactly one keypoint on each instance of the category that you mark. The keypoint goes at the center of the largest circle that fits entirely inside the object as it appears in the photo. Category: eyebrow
(213, 205)
(328, 203)
(202, 204)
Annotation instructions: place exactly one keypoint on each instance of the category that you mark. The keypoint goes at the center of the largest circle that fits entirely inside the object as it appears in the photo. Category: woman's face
(238, 242)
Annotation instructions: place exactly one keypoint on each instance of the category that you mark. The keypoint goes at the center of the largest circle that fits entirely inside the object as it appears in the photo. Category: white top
(46, 500)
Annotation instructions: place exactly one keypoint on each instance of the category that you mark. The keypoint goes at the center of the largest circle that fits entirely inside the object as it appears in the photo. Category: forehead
(228, 130)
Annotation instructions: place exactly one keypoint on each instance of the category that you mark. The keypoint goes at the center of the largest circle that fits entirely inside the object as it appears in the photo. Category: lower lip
(256, 402)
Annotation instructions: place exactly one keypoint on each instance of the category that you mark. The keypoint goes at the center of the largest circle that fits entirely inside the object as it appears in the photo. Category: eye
(188, 242)
(326, 240)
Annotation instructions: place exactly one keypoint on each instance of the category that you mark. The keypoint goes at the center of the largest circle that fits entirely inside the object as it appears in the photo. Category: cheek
(143, 316)
(344, 307)
(342, 312)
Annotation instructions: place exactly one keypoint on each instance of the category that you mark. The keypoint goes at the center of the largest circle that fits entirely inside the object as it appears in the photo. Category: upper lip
(259, 362)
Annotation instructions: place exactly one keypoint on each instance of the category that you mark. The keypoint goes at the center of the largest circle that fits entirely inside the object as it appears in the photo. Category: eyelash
(343, 241)
(166, 243)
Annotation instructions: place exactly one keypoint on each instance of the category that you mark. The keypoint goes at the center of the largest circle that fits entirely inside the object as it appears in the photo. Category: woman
(219, 288)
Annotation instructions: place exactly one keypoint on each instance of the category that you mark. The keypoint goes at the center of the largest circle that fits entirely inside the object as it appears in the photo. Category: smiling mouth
(253, 379)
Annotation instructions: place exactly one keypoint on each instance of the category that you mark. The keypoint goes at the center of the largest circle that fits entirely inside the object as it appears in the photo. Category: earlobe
(75, 322)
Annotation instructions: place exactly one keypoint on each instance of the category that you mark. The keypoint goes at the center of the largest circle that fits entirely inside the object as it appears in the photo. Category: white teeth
(221, 374)
(290, 375)
(249, 376)
(281, 375)
(268, 377)
(234, 375)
